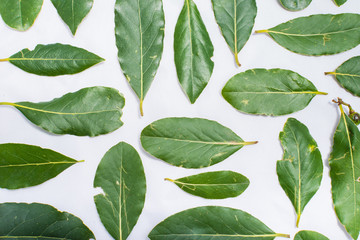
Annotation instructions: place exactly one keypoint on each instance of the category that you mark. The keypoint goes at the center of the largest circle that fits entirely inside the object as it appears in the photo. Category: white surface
(72, 190)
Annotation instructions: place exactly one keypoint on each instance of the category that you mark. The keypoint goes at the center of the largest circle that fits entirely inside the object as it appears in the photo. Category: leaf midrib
(53, 59)
(35, 164)
(200, 142)
(286, 93)
(219, 235)
(206, 184)
(310, 34)
(31, 237)
(191, 47)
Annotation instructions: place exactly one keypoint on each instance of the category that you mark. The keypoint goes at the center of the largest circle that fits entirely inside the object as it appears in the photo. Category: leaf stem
(322, 93)
(168, 179)
(237, 59)
(249, 143)
(81, 161)
(4, 60)
(298, 220)
(330, 73)
(262, 31)
(141, 108)
(7, 103)
(282, 235)
(340, 102)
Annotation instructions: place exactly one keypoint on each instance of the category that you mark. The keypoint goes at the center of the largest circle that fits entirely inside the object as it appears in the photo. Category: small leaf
(214, 185)
(348, 75)
(73, 12)
(37, 221)
(322, 34)
(54, 60)
(236, 20)
(269, 92)
(345, 174)
(193, 51)
(190, 142)
(139, 31)
(309, 235)
(88, 112)
(121, 176)
(215, 223)
(19, 14)
(300, 170)
(295, 5)
(340, 2)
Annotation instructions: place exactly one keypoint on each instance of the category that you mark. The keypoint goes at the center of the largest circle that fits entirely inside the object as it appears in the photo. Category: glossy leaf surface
(193, 51)
(269, 92)
(345, 174)
(295, 5)
(236, 20)
(190, 142)
(300, 170)
(348, 75)
(340, 2)
(25, 165)
(20, 15)
(39, 222)
(88, 112)
(139, 30)
(215, 223)
(121, 176)
(214, 185)
(73, 12)
(309, 235)
(322, 34)
(54, 60)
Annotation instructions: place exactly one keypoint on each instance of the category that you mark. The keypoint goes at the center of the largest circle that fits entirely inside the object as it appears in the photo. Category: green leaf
(24, 166)
(192, 51)
(37, 221)
(190, 142)
(54, 60)
(300, 170)
(19, 14)
(340, 2)
(295, 5)
(73, 12)
(88, 112)
(121, 176)
(348, 75)
(236, 20)
(215, 223)
(345, 174)
(139, 31)
(214, 185)
(309, 235)
(269, 92)
(322, 34)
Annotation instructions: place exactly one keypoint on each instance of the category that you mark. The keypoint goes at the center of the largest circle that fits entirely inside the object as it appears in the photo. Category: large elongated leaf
(25, 165)
(215, 223)
(73, 12)
(348, 75)
(20, 14)
(88, 112)
(39, 222)
(269, 92)
(193, 51)
(236, 20)
(300, 170)
(309, 235)
(121, 176)
(54, 60)
(295, 5)
(340, 2)
(139, 30)
(345, 172)
(214, 185)
(322, 34)
(190, 142)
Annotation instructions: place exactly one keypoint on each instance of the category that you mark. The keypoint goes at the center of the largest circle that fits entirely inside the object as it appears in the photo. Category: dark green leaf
(73, 12)
(340, 2)
(236, 20)
(322, 34)
(295, 5)
(348, 75)
(54, 60)
(190, 142)
(215, 223)
(309, 235)
(214, 185)
(121, 176)
(36, 221)
(269, 92)
(345, 174)
(300, 170)
(20, 14)
(88, 112)
(193, 51)
(139, 30)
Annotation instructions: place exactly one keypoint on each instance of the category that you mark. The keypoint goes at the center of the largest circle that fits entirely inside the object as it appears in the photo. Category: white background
(72, 190)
